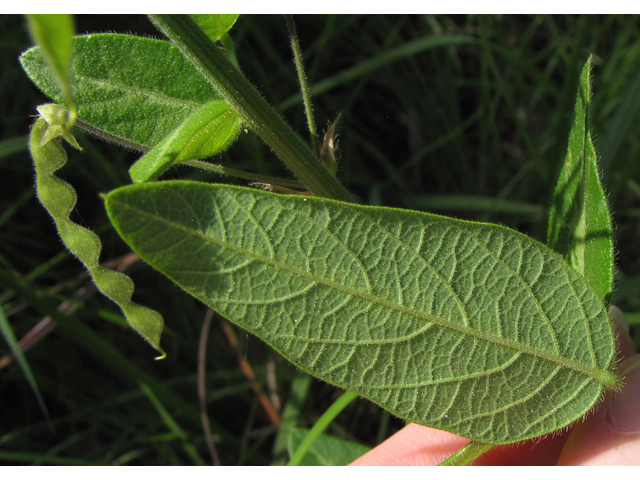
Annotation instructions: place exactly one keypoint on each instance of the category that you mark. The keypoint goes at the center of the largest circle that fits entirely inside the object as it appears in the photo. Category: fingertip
(623, 408)
(610, 435)
(414, 445)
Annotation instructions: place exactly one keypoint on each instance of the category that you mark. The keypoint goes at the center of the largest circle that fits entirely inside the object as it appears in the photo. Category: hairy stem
(302, 78)
(247, 101)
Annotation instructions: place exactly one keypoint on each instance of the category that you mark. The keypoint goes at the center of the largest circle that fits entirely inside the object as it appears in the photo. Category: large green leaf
(466, 327)
(136, 89)
(580, 224)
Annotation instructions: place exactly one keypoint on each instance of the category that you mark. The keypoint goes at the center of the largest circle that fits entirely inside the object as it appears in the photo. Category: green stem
(252, 177)
(320, 426)
(249, 103)
(467, 454)
(302, 78)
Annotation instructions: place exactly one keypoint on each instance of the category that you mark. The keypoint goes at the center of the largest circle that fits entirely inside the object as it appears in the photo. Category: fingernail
(624, 407)
(617, 316)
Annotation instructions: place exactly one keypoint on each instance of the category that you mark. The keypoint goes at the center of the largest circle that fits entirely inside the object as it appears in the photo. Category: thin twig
(202, 356)
(248, 372)
(272, 384)
(232, 172)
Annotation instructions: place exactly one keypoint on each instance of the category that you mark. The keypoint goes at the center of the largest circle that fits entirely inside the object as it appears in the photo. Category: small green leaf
(580, 226)
(207, 131)
(59, 199)
(215, 25)
(466, 327)
(326, 450)
(54, 35)
(137, 90)
(466, 454)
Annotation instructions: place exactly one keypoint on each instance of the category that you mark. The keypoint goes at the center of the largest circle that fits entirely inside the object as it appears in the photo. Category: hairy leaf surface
(466, 327)
(207, 131)
(59, 199)
(136, 89)
(580, 226)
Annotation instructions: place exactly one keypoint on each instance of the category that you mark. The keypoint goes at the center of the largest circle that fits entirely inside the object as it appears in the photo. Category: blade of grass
(10, 338)
(620, 126)
(173, 426)
(14, 145)
(102, 350)
(367, 66)
(474, 203)
(15, 206)
(24, 457)
(291, 415)
(321, 425)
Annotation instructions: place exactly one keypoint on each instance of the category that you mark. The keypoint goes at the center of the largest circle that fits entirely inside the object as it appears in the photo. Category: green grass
(475, 128)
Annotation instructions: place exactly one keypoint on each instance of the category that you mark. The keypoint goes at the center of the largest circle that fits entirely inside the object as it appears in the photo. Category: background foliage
(476, 130)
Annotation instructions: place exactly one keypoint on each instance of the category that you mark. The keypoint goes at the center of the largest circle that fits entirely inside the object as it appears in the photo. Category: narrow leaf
(466, 454)
(320, 426)
(215, 25)
(12, 341)
(54, 35)
(136, 90)
(326, 451)
(466, 327)
(207, 131)
(580, 224)
(59, 198)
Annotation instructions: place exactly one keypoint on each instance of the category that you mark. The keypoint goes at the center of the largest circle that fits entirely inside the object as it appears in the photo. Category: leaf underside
(466, 327)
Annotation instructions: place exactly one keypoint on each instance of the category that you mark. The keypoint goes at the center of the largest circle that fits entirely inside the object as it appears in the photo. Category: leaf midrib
(598, 374)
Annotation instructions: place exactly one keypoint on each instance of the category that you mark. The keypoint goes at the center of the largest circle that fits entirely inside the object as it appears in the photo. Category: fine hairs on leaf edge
(60, 197)
(610, 377)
